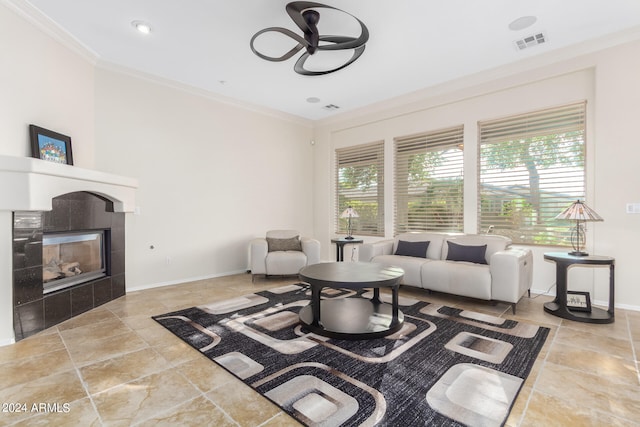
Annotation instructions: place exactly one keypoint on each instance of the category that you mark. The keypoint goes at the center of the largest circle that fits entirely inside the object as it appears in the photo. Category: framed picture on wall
(578, 301)
(50, 146)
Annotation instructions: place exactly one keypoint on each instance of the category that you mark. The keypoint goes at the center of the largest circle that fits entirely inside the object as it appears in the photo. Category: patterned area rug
(445, 367)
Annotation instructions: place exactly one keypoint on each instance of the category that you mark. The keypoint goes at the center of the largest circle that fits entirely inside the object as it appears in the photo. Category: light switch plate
(633, 208)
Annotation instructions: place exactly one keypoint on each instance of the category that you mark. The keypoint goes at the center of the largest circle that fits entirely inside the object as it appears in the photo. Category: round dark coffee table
(352, 318)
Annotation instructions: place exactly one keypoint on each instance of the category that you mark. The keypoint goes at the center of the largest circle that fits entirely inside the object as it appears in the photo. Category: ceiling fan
(305, 16)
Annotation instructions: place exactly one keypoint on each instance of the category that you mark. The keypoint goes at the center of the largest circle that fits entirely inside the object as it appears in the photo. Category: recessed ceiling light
(313, 100)
(141, 26)
(522, 23)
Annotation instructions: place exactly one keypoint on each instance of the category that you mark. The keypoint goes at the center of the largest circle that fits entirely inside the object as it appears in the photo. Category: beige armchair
(282, 253)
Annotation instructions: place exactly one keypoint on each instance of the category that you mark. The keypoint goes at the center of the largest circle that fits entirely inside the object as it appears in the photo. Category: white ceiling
(413, 44)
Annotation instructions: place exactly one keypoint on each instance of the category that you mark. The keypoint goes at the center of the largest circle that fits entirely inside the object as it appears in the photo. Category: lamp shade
(349, 213)
(578, 211)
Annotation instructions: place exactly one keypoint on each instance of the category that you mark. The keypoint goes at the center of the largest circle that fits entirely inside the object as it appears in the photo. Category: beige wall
(212, 174)
(608, 80)
(212, 177)
(45, 83)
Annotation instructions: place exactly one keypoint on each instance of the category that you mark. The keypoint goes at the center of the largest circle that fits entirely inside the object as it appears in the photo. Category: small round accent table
(340, 242)
(558, 306)
(352, 318)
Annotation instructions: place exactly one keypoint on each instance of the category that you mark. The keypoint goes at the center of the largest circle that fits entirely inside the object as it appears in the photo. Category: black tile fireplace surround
(80, 211)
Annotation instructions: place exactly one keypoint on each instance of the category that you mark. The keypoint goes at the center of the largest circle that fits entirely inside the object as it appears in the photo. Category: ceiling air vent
(331, 107)
(531, 41)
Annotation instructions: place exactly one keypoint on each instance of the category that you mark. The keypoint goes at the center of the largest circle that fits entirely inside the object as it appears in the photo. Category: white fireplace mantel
(30, 184)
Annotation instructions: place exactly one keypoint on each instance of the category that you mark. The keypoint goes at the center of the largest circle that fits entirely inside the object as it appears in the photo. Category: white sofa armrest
(311, 248)
(511, 274)
(367, 251)
(258, 249)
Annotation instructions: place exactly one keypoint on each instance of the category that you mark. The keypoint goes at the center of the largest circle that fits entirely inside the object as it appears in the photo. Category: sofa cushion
(435, 240)
(475, 254)
(414, 249)
(291, 244)
(410, 265)
(494, 242)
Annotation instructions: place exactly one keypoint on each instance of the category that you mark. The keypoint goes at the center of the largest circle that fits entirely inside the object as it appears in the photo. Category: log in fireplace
(69, 259)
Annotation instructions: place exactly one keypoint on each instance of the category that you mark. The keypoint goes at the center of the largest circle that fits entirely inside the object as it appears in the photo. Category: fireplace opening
(72, 258)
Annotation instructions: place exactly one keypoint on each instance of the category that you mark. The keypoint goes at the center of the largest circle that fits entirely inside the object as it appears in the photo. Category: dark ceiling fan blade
(306, 18)
(299, 66)
(301, 44)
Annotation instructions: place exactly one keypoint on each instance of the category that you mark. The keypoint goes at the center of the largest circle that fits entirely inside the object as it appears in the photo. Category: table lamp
(349, 213)
(580, 213)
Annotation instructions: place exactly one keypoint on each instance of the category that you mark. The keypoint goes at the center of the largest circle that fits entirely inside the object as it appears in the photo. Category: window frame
(556, 166)
(363, 201)
(413, 211)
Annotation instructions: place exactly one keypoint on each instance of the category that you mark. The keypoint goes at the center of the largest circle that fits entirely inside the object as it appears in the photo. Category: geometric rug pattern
(445, 367)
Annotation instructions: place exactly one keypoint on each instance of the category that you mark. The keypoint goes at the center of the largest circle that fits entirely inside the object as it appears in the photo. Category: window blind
(531, 167)
(360, 184)
(429, 181)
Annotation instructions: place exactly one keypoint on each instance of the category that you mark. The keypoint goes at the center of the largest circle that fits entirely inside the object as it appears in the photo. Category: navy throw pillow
(415, 249)
(474, 254)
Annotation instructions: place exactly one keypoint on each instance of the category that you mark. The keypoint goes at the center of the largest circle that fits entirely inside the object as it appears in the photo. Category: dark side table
(558, 307)
(340, 242)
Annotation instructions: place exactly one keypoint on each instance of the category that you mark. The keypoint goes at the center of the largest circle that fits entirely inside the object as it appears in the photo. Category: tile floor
(115, 366)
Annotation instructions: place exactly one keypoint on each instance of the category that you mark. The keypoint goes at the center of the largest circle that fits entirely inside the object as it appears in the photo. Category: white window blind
(360, 184)
(531, 167)
(429, 181)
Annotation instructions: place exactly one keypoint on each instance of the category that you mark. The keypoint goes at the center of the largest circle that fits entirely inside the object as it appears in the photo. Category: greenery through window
(531, 167)
(360, 184)
(429, 181)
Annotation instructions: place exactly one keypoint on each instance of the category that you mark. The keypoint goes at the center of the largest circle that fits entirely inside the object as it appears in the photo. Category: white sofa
(282, 253)
(506, 276)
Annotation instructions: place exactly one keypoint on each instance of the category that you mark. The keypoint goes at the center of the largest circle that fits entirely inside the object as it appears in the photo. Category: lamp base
(578, 253)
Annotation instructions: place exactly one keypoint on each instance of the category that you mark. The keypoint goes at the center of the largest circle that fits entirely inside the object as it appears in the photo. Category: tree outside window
(531, 167)
(429, 181)
(360, 184)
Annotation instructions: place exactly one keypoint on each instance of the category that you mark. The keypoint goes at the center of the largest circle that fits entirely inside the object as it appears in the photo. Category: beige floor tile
(198, 412)
(205, 374)
(78, 413)
(34, 345)
(592, 391)
(617, 329)
(143, 399)
(544, 410)
(591, 339)
(281, 420)
(59, 388)
(110, 373)
(93, 351)
(177, 352)
(244, 405)
(612, 367)
(97, 315)
(94, 331)
(140, 373)
(41, 365)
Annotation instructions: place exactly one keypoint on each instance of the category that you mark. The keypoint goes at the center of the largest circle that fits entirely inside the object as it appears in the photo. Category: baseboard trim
(179, 281)
(7, 341)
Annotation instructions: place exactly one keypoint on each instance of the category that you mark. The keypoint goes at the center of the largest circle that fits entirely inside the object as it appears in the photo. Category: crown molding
(183, 87)
(35, 17)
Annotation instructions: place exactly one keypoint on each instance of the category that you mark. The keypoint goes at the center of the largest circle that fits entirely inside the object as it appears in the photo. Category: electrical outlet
(633, 208)
(167, 260)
